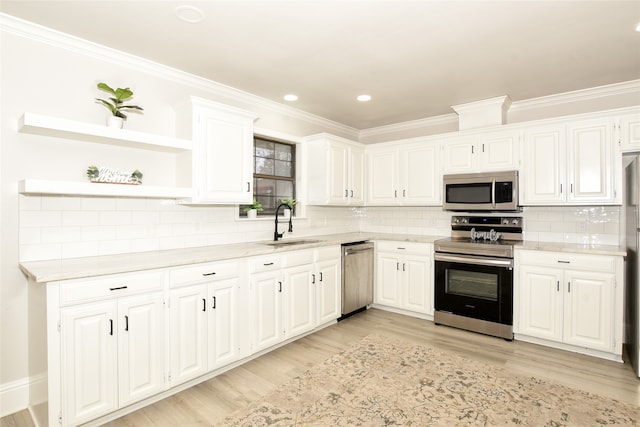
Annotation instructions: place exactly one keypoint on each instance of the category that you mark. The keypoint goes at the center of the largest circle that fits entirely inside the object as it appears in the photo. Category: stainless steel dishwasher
(357, 277)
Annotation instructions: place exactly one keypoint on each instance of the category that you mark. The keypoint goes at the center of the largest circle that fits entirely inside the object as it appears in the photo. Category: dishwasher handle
(355, 251)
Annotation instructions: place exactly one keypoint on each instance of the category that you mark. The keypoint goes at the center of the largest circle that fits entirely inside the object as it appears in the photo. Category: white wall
(55, 75)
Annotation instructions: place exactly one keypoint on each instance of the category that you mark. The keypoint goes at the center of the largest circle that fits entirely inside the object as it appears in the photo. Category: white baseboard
(14, 395)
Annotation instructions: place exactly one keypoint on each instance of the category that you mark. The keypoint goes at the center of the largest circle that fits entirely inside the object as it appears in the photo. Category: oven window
(472, 284)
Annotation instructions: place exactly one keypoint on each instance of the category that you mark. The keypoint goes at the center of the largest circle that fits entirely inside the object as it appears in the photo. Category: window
(274, 173)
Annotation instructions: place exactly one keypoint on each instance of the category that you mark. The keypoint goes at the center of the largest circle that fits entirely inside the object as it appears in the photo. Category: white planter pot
(115, 122)
(252, 214)
(286, 213)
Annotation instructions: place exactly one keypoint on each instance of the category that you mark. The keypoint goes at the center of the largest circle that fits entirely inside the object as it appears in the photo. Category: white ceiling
(415, 58)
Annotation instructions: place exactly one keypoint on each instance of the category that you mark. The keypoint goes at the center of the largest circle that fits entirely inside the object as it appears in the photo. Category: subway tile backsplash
(53, 227)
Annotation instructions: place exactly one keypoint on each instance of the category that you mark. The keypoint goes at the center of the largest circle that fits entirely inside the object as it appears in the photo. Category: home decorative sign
(104, 174)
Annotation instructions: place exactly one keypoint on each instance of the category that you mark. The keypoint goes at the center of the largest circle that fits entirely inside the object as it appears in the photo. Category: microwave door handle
(493, 193)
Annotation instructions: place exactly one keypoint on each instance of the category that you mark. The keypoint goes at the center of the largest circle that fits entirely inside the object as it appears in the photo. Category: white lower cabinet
(266, 309)
(111, 344)
(569, 299)
(203, 311)
(404, 276)
(293, 294)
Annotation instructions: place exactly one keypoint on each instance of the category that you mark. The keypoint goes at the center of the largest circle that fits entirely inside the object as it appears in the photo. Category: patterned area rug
(388, 382)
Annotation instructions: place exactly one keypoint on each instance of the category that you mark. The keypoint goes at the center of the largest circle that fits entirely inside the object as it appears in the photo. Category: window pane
(265, 187)
(282, 168)
(283, 152)
(264, 148)
(284, 190)
(265, 166)
(268, 203)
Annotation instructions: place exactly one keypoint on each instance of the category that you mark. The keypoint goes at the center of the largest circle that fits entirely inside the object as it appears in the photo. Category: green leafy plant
(115, 104)
(136, 175)
(254, 205)
(289, 202)
(93, 172)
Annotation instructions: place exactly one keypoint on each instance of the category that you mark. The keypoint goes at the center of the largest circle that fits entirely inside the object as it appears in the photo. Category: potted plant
(290, 203)
(253, 209)
(116, 104)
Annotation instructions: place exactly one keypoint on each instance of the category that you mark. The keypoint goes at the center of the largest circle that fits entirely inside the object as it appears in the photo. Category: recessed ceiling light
(290, 97)
(638, 27)
(364, 98)
(190, 14)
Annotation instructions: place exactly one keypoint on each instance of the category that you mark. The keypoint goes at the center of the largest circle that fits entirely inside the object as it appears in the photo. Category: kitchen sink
(281, 243)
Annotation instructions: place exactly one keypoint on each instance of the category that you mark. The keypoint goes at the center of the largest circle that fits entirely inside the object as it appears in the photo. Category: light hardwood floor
(209, 402)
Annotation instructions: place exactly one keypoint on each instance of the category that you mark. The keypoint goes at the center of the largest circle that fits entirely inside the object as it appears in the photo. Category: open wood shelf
(70, 188)
(88, 132)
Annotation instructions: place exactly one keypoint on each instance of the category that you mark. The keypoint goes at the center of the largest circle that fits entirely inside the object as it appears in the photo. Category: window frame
(294, 179)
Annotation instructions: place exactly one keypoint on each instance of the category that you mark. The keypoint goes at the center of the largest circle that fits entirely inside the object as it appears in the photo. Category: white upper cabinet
(481, 152)
(335, 170)
(591, 163)
(576, 163)
(629, 134)
(221, 161)
(404, 174)
(543, 175)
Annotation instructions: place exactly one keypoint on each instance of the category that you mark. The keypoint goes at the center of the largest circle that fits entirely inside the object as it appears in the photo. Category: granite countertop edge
(77, 268)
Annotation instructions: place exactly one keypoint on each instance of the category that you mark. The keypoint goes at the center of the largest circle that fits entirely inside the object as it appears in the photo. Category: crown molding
(614, 89)
(443, 119)
(38, 33)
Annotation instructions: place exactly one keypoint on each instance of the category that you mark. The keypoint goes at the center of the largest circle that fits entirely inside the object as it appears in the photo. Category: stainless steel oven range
(474, 274)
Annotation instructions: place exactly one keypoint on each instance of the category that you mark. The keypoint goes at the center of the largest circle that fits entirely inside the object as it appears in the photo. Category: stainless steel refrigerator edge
(632, 273)
(357, 276)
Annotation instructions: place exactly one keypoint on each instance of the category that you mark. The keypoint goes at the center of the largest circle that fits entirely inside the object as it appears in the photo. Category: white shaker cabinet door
(541, 302)
(460, 155)
(300, 299)
(543, 173)
(388, 285)
(420, 175)
(266, 294)
(588, 310)
(89, 361)
(382, 177)
(591, 169)
(188, 331)
(416, 271)
(223, 339)
(328, 283)
(222, 153)
(141, 337)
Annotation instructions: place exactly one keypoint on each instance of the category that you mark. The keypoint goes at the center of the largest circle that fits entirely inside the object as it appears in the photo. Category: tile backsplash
(56, 227)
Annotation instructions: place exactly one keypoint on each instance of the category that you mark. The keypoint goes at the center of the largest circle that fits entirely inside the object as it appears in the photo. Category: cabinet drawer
(413, 248)
(294, 258)
(204, 272)
(78, 291)
(265, 263)
(568, 261)
(329, 252)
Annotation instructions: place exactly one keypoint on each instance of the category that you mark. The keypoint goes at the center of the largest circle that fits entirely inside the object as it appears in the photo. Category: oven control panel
(486, 221)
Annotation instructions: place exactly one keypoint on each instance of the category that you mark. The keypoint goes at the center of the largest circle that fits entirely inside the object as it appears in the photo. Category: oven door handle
(492, 262)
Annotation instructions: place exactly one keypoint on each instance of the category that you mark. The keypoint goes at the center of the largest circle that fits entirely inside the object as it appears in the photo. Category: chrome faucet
(277, 235)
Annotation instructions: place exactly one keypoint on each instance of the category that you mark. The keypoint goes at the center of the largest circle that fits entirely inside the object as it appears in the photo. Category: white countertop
(74, 268)
(573, 248)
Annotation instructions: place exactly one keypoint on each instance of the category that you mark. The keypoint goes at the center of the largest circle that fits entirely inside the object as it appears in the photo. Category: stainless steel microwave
(492, 191)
